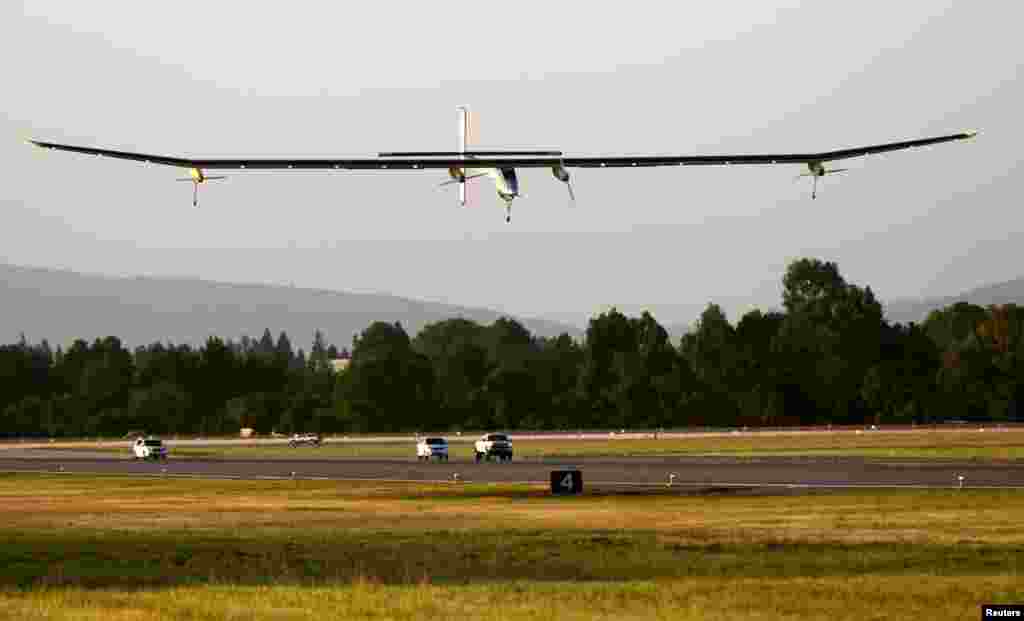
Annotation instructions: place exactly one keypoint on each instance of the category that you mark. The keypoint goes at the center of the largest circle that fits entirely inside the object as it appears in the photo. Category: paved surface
(597, 472)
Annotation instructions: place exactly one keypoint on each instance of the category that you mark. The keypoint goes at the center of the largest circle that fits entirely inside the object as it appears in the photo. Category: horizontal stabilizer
(466, 153)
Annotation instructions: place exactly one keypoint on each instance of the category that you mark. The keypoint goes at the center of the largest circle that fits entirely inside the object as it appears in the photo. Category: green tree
(456, 351)
(283, 348)
(388, 387)
(318, 353)
(712, 352)
(162, 408)
(631, 376)
(266, 343)
(829, 339)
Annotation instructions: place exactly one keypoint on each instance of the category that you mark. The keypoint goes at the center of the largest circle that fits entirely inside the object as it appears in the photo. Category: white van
(149, 448)
(432, 447)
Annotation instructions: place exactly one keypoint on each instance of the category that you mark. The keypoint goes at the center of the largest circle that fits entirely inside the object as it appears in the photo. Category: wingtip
(971, 133)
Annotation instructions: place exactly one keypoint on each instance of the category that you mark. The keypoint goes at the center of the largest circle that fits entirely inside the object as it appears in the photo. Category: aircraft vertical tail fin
(463, 117)
(463, 127)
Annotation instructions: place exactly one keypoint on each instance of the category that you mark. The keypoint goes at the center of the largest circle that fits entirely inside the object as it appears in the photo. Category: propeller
(197, 178)
(562, 175)
(817, 170)
(453, 181)
(464, 194)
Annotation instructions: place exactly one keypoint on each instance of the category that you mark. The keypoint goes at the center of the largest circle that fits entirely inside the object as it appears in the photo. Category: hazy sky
(320, 79)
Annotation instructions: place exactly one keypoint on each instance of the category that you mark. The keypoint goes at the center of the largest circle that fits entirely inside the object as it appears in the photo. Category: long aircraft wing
(414, 161)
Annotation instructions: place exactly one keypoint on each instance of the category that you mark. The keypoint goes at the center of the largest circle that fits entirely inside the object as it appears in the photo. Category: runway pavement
(782, 472)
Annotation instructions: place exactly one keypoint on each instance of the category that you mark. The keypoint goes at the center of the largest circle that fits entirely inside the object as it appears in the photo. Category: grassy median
(966, 443)
(116, 548)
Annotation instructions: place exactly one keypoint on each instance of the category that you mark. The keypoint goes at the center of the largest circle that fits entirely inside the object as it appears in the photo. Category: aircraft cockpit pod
(510, 181)
(817, 169)
(560, 173)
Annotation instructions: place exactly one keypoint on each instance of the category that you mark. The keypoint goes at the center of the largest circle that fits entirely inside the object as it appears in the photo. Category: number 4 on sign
(566, 482)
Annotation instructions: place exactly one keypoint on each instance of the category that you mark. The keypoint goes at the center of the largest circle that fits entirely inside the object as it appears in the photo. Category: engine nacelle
(560, 173)
(817, 169)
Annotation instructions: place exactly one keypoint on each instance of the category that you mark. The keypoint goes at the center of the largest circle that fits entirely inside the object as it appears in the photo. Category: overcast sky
(322, 79)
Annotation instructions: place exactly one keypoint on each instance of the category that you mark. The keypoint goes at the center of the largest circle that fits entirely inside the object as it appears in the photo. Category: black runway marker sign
(566, 482)
(991, 612)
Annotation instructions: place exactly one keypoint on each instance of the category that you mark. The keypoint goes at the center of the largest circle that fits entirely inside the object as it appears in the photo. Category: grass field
(117, 548)
(968, 443)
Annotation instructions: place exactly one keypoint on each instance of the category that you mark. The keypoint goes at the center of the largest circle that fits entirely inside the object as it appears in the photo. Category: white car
(432, 447)
(496, 445)
(149, 448)
(304, 438)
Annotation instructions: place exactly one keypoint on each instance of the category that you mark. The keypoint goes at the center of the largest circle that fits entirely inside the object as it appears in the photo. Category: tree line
(829, 357)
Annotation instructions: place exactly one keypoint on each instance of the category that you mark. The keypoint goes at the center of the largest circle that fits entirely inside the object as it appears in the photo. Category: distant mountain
(905, 311)
(61, 306)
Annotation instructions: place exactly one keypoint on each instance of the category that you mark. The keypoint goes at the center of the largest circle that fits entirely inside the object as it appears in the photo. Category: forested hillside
(828, 357)
(62, 306)
(1009, 292)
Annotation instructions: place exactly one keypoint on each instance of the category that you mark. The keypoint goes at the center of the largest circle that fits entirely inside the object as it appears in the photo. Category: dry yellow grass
(811, 599)
(116, 548)
(938, 516)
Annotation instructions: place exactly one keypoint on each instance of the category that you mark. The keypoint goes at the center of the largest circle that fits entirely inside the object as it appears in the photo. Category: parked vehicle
(304, 439)
(428, 448)
(496, 445)
(149, 448)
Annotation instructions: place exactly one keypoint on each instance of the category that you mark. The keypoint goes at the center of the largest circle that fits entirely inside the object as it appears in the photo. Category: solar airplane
(464, 165)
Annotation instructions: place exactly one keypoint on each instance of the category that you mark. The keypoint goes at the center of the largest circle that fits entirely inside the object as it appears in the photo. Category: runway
(598, 473)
